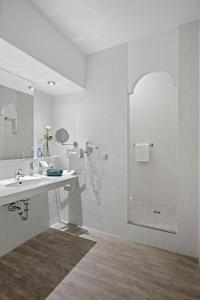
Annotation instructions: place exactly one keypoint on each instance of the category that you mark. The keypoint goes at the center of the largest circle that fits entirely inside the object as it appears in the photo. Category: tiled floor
(153, 215)
(97, 266)
(117, 269)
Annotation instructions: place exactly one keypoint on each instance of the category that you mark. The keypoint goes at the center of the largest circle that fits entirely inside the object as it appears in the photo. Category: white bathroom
(99, 149)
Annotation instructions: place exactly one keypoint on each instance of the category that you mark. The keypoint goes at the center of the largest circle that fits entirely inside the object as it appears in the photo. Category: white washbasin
(11, 190)
(25, 181)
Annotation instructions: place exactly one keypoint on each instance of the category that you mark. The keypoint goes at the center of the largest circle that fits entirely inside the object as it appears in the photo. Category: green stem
(47, 144)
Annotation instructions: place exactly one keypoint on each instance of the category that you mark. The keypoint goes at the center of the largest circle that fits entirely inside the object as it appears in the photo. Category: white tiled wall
(199, 161)
(176, 52)
(12, 230)
(188, 138)
(154, 119)
(100, 114)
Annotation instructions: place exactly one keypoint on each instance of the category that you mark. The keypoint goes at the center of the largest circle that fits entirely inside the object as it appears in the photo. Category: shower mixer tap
(89, 148)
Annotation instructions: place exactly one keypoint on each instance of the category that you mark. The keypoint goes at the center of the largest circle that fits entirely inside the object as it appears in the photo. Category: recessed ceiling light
(31, 88)
(51, 83)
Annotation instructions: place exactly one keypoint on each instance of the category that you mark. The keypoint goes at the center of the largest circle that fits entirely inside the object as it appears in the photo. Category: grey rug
(34, 269)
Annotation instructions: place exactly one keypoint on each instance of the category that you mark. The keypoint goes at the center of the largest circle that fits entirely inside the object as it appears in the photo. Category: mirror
(62, 136)
(16, 117)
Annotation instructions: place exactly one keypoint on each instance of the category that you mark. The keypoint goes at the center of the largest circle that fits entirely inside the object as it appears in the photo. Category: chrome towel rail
(150, 145)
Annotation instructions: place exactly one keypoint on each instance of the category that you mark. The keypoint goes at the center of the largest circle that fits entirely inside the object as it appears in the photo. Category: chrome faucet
(19, 174)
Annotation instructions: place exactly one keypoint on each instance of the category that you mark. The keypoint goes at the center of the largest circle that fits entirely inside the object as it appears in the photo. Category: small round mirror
(62, 135)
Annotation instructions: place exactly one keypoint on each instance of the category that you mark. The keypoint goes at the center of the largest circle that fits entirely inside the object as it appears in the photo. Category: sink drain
(157, 212)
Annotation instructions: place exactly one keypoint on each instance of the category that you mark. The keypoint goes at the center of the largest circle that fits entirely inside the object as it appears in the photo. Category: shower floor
(157, 216)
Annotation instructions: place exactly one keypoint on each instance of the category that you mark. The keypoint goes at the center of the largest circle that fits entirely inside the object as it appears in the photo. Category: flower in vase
(48, 138)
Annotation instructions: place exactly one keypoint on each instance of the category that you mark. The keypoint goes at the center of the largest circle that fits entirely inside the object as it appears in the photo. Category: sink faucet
(19, 174)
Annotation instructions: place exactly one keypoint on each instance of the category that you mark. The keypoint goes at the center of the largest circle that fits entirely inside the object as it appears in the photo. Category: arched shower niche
(153, 153)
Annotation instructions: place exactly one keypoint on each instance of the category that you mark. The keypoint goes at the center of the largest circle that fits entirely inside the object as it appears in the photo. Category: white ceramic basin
(24, 183)
(11, 190)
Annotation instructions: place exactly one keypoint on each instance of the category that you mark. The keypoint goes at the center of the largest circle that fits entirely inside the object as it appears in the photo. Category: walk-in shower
(153, 153)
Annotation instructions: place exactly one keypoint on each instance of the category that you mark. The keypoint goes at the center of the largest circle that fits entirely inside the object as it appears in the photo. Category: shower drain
(156, 212)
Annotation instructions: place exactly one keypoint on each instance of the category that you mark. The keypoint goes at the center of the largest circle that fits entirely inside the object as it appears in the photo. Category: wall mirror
(16, 117)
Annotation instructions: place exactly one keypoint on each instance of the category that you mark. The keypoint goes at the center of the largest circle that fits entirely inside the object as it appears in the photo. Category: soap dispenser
(31, 170)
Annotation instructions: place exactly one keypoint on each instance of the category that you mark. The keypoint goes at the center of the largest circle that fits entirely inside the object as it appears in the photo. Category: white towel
(9, 113)
(142, 152)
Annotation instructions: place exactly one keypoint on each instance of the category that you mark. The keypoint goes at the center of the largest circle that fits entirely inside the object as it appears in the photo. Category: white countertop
(10, 194)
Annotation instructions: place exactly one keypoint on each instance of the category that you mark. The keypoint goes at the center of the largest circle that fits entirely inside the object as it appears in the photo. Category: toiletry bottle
(39, 152)
(31, 170)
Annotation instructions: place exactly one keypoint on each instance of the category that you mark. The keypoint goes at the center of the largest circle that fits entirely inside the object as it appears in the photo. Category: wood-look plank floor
(34, 269)
(117, 269)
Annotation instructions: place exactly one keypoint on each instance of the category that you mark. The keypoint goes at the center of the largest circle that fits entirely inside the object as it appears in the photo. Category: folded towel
(54, 172)
(142, 152)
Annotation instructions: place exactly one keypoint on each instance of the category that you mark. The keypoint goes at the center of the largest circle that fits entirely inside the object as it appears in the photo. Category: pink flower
(48, 128)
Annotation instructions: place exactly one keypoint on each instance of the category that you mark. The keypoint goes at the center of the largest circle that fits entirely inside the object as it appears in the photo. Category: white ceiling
(94, 25)
(12, 81)
(29, 71)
